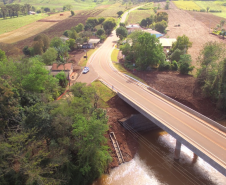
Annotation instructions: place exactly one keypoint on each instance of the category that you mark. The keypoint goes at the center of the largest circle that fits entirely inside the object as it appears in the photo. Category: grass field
(58, 4)
(186, 5)
(114, 55)
(11, 24)
(103, 92)
(137, 15)
(112, 10)
(214, 5)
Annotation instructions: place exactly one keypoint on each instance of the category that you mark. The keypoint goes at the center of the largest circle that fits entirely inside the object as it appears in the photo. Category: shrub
(215, 11)
(164, 66)
(72, 13)
(100, 32)
(26, 50)
(202, 10)
(174, 66)
(176, 55)
(185, 64)
(67, 33)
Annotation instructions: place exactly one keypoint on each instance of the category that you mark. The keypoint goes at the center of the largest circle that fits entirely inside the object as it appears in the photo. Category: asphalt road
(200, 134)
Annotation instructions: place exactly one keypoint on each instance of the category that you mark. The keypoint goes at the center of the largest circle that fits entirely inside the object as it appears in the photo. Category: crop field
(112, 10)
(187, 5)
(137, 15)
(31, 29)
(214, 5)
(58, 4)
(11, 24)
(52, 29)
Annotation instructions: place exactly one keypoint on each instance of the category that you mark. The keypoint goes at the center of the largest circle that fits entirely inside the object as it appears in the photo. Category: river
(154, 165)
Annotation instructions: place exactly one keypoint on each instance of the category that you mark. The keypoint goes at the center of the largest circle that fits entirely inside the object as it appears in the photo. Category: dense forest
(44, 141)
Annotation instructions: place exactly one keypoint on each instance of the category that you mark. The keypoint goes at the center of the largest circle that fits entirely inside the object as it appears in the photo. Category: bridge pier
(177, 150)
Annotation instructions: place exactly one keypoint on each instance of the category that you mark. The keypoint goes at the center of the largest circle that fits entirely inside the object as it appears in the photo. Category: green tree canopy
(182, 43)
(50, 56)
(121, 32)
(120, 13)
(2, 55)
(185, 64)
(161, 26)
(109, 25)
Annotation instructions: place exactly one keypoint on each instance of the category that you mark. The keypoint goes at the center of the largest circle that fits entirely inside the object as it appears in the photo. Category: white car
(85, 70)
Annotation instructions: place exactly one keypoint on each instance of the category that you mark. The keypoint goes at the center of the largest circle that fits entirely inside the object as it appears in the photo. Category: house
(31, 13)
(133, 27)
(153, 32)
(167, 42)
(91, 44)
(67, 68)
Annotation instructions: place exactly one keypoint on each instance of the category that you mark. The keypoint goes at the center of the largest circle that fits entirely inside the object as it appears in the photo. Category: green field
(58, 4)
(187, 5)
(214, 5)
(112, 10)
(11, 24)
(137, 15)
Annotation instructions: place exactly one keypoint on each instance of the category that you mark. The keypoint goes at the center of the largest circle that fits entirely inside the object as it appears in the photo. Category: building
(67, 68)
(153, 32)
(133, 27)
(167, 42)
(91, 44)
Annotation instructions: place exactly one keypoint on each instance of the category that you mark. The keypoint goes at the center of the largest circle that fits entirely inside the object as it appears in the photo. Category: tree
(38, 47)
(79, 27)
(185, 64)
(47, 9)
(122, 24)
(72, 13)
(182, 43)
(109, 25)
(167, 5)
(175, 56)
(207, 9)
(101, 20)
(56, 42)
(67, 7)
(49, 56)
(161, 26)
(161, 16)
(120, 13)
(2, 55)
(71, 43)
(62, 79)
(143, 23)
(121, 32)
(92, 22)
(222, 23)
(44, 39)
(149, 21)
(100, 32)
(73, 34)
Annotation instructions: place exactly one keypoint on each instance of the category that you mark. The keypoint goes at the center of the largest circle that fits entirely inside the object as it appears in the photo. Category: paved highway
(200, 134)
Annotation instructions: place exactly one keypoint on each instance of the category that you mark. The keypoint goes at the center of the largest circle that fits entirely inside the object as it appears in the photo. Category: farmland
(30, 29)
(191, 26)
(58, 4)
(187, 5)
(11, 24)
(137, 15)
(54, 29)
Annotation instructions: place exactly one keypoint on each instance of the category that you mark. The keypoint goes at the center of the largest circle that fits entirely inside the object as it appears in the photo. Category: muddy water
(154, 165)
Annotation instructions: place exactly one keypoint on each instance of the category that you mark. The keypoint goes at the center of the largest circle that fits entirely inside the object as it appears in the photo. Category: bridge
(203, 136)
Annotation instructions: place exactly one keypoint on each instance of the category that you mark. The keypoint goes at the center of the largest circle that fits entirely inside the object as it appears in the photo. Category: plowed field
(195, 27)
(52, 29)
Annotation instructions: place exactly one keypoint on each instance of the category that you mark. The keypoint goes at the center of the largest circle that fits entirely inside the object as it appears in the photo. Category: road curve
(200, 134)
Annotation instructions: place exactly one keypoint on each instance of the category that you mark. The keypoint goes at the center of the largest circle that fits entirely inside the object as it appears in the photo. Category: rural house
(167, 42)
(67, 68)
(133, 27)
(153, 32)
(91, 44)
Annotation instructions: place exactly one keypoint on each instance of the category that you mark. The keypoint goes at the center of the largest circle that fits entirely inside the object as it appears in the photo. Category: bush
(174, 66)
(49, 56)
(100, 32)
(176, 55)
(26, 50)
(67, 33)
(215, 11)
(72, 13)
(202, 10)
(185, 64)
(164, 66)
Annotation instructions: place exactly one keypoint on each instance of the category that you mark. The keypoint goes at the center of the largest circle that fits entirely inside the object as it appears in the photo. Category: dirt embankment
(119, 109)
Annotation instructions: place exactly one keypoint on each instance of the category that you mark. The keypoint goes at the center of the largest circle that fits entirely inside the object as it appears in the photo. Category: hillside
(58, 4)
